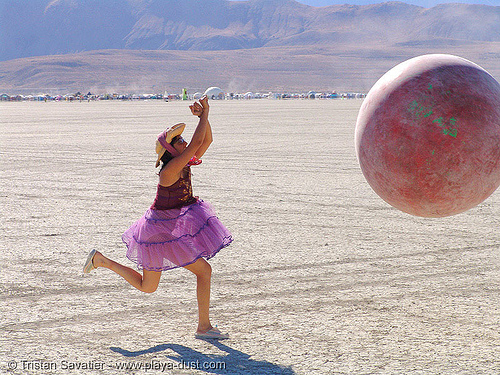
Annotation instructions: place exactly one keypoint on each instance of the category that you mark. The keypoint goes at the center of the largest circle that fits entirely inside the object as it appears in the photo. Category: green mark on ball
(420, 111)
(447, 125)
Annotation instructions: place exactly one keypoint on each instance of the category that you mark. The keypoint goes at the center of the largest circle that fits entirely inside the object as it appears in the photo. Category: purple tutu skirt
(164, 239)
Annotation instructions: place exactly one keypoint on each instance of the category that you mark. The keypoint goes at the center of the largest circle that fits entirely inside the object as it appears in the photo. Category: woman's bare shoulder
(167, 178)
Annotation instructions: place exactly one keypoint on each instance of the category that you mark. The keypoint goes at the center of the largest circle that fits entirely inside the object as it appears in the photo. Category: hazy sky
(423, 3)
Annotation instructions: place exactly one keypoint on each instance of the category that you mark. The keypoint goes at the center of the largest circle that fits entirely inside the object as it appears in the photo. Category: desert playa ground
(323, 276)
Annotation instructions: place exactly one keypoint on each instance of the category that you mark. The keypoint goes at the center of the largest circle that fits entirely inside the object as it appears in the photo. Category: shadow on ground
(235, 362)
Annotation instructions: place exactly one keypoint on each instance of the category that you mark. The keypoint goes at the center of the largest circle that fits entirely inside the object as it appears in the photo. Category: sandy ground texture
(323, 276)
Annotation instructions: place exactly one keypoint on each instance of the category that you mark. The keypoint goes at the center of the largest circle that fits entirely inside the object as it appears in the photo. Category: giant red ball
(428, 136)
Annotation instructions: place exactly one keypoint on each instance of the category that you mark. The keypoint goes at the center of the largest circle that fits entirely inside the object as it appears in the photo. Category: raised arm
(197, 110)
(171, 172)
(206, 142)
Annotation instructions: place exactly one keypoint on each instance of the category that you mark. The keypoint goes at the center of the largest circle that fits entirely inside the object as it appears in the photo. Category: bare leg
(203, 273)
(147, 283)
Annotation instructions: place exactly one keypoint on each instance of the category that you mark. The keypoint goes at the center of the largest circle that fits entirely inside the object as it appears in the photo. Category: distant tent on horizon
(214, 93)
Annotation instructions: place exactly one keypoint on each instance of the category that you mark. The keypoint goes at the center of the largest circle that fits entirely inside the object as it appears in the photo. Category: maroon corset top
(179, 194)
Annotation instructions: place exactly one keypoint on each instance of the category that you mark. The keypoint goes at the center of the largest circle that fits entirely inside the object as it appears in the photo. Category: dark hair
(167, 156)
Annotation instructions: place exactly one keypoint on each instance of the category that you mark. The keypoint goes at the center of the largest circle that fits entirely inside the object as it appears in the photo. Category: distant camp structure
(214, 93)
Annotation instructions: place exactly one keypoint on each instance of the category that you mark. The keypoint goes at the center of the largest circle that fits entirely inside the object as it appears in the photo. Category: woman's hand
(196, 109)
(204, 103)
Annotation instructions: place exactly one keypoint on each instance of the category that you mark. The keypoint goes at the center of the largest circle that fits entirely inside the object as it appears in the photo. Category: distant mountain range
(259, 29)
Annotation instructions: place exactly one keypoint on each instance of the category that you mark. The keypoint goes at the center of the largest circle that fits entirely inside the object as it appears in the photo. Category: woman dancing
(179, 230)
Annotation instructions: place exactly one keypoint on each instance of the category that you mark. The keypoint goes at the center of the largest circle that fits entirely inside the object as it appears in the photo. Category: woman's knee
(150, 281)
(204, 270)
(207, 269)
(149, 288)
(201, 268)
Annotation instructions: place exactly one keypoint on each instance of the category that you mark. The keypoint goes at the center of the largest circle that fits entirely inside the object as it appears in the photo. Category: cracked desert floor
(323, 276)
